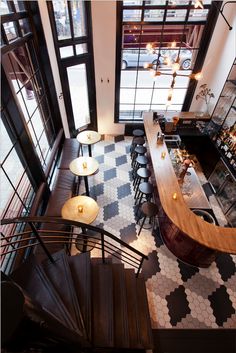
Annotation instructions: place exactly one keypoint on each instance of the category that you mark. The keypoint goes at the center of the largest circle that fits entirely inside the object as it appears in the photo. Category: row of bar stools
(150, 210)
(138, 151)
(142, 175)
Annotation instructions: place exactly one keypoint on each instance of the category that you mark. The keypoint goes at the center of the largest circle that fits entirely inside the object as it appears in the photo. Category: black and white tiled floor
(179, 296)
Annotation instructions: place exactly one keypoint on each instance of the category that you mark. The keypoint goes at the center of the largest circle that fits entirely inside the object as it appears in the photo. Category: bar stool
(138, 151)
(145, 190)
(150, 210)
(140, 161)
(142, 175)
(136, 142)
(138, 133)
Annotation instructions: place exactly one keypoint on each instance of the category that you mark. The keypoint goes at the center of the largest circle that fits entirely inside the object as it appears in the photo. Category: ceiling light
(198, 4)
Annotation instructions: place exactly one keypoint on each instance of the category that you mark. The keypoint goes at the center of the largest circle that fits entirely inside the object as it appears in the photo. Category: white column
(104, 44)
(219, 59)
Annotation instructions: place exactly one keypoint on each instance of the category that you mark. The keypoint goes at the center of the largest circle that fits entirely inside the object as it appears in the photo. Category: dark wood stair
(104, 303)
(32, 278)
(82, 284)
(60, 277)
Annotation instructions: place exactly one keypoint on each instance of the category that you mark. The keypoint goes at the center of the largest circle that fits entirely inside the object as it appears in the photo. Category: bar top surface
(210, 235)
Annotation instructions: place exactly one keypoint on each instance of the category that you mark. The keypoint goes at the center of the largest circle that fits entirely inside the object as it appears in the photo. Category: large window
(20, 63)
(26, 128)
(174, 29)
(30, 93)
(16, 189)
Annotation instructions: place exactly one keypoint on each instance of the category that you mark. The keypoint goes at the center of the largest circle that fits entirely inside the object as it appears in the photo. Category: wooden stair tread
(121, 329)
(32, 278)
(81, 274)
(134, 327)
(144, 315)
(102, 302)
(61, 278)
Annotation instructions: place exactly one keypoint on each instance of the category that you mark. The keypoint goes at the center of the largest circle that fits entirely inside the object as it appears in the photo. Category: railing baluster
(140, 266)
(103, 250)
(124, 252)
(40, 241)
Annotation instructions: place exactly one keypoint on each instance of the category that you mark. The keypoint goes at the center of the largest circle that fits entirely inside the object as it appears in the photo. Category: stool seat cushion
(140, 149)
(142, 160)
(138, 141)
(149, 209)
(146, 188)
(143, 173)
(138, 132)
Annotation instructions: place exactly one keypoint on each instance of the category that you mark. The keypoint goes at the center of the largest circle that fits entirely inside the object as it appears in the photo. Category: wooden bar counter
(187, 235)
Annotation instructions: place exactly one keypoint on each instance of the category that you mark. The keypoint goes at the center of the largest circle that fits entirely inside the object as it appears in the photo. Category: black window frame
(213, 13)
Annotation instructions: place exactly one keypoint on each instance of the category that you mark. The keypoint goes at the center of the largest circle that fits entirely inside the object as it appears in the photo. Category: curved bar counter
(187, 236)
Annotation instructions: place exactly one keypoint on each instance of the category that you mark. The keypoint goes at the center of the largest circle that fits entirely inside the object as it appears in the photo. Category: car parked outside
(138, 57)
(185, 57)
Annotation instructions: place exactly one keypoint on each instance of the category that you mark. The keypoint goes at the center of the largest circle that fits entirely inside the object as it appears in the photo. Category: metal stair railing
(32, 236)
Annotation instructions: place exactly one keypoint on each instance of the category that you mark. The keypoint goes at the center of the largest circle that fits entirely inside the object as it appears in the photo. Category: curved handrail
(106, 246)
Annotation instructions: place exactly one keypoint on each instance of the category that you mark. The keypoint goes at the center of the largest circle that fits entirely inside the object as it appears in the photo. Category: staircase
(103, 304)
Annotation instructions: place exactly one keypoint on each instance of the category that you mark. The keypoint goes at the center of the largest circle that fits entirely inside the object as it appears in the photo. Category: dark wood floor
(194, 341)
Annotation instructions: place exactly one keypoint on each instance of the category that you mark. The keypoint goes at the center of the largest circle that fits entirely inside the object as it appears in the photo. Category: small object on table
(186, 164)
(88, 137)
(82, 209)
(163, 155)
(84, 166)
(174, 195)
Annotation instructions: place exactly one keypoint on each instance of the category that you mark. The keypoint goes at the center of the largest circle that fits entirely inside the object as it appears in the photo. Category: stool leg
(139, 217)
(144, 219)
(135, 180)
(81, 150)
(137, 196)
(140, 199)
(137, 188)
(133, 159)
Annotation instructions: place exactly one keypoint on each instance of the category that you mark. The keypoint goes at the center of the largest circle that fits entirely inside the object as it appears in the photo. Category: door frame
(72, 61)
(87, 59)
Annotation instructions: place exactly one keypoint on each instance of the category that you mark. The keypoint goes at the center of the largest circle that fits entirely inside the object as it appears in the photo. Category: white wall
(104, 43)
(219, 59)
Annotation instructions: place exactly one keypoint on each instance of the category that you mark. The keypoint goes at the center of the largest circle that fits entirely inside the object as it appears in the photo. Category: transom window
(174, 29)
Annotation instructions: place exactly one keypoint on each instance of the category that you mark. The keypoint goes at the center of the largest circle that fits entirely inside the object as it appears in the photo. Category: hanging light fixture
(175, 66)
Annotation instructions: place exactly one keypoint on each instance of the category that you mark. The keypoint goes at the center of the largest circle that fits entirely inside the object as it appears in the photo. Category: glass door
(218, 176)
(227, 194)
(76, 87)
(231, 215)
(72, 34)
